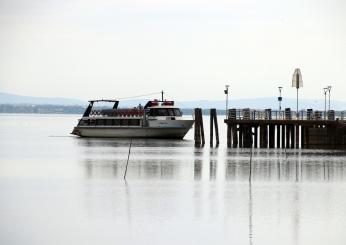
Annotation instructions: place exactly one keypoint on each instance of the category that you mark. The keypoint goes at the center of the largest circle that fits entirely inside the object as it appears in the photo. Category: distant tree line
(41, 109)
(68, 109)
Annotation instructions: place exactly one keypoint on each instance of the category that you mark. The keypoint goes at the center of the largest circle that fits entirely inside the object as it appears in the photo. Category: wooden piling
(283, 139)
(235, 135)
(271, 136)
(278, 139)
(216, 129)
(202, 127)
(302, 137)
(297, 136)
(263, 136)
(213, 121)
(211, 127)
(247, 136)
(240, 136)
(292, 136)
(288, 134)
(229, 135)
(256, 137)
(199, 130)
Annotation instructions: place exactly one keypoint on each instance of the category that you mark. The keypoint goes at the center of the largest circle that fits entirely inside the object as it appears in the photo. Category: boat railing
(117, 113)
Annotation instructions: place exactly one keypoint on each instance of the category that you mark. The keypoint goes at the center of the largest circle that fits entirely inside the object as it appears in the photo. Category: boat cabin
(133, 117)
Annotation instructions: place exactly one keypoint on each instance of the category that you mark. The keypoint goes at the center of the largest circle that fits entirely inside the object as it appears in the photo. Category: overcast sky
(189, 48)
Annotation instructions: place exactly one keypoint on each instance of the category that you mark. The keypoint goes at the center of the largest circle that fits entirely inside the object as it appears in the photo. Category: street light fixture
(329, 88)
(297, 82)
(280, 99)
(325, 90)
(226, 92)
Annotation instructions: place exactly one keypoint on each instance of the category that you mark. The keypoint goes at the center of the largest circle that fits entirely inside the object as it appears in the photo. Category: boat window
(100, 122)
(134, 122)
(116, 122)
(163, 112)
(108, 122)
(124, 122)
(177, 112)
(84, 122)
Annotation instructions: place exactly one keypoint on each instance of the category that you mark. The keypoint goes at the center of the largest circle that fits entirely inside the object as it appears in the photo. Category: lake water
(60, 189)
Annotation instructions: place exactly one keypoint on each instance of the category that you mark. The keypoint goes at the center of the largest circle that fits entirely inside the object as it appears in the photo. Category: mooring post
(283, 136)
(263, 136)
(240, 136)
(288, 129)
(216, 129)
(235, 135)
(271, 136)
(278, 139)
(211, 127)
(229, 135)
(297, 136)
(202, 127)
(302, 137)
(197, 138)
(292, 136)
(256, 137)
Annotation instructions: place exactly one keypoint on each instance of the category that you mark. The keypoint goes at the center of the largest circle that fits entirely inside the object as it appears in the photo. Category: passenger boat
(157, 119)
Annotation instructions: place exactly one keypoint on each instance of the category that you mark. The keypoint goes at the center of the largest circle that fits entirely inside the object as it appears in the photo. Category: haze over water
(60, 189)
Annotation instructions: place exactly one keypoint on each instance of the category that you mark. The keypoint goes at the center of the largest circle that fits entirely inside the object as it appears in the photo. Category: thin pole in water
(250, 172)
(128, 158)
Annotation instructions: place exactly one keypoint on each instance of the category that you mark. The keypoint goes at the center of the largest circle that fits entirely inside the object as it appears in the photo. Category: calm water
(59, 189)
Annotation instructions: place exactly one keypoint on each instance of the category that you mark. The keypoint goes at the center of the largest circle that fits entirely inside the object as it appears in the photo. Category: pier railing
(287, 114)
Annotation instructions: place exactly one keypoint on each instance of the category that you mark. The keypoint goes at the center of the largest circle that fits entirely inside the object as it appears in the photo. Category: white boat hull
(165, 131)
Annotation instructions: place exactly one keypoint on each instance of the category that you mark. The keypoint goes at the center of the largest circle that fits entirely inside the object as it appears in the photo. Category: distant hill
(254, 103)
(7, 98)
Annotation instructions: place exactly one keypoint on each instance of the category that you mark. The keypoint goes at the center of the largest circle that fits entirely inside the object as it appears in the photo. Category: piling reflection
(168, 160)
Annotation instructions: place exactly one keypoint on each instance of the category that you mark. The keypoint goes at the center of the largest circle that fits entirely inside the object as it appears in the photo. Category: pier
(285, 129)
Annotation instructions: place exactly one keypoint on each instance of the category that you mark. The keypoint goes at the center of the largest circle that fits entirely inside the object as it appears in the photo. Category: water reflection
(168, 160)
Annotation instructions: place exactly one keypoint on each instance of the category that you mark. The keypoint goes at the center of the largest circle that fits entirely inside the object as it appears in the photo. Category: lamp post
(280, 99)
(297, 82)
(325, 90)
(329, 88)
(226, 92)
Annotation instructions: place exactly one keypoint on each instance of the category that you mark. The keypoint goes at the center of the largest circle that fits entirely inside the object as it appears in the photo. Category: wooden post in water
(256, 137)
(297, 136)
(229, 135)
(199, 130)
(283, 136)
(247, 135)
(302, 137)
(211, 127)
(240, 136)
(235, 135)
(278, 139)
(288, 134)
(202, 127)
(213, 120)
(292, 136)
(271, 136)
(216, 129)
(263, 136)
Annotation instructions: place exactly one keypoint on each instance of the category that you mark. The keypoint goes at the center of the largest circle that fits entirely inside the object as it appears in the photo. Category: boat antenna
(162, 95)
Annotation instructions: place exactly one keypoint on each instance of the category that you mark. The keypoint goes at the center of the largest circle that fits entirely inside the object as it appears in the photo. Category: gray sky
(190, 48)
